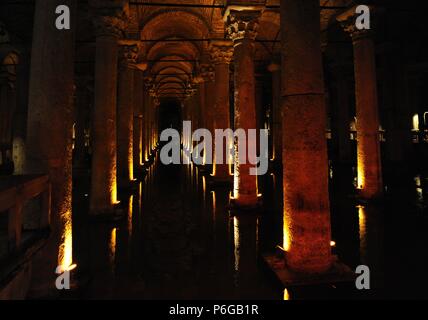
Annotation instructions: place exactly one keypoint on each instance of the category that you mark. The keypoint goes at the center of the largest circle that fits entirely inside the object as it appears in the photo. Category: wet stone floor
(178, 241)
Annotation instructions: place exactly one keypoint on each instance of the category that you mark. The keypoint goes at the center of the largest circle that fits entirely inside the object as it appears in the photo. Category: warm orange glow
(362, 218)
(360, 171)
(214, 201)
(65, 255)
(130, 214)
(333, 244)
(112, 246)
(286, 295)
(286, 243)
(236, 242)
(113, 195)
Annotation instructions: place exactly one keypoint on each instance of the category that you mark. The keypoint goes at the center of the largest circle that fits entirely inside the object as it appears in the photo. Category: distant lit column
(138, 118)
(81, 109)
(368, 144)
(208, 74)
(125, 116)
(307, 227)
(221, 55)
(276, 115)
(103, 180)
(242, 29)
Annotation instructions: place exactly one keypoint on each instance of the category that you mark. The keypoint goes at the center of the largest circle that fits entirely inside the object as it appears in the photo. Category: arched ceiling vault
(175, 39)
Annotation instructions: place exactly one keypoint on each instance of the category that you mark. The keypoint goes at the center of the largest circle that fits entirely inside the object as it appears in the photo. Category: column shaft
(125, 126)
(368, 146)
(104, 158)
(221, 118)
(49, 131)
(306, 198)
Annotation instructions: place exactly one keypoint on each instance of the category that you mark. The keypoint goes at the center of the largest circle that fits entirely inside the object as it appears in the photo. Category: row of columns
(125, 117)
(299, 112)
(304, 153)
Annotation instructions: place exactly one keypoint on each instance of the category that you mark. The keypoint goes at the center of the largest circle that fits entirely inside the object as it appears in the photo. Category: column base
(219, 182)
(338, 273)
(244, 205)
(130, 186)
(140, 171)
(363, 198)
(108, 215)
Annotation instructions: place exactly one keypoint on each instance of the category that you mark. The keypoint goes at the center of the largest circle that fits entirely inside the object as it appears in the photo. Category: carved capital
(221, 52)
(129, 55)
(207, 72)
(348, 21)
(109, 26)
(242, 25)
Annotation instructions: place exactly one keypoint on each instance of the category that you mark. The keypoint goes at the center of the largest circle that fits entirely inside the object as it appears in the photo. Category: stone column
(81, 110)
(138, 118)
(276, 115)
(368, 145)
(208, 74)
(49, 132)
(307, 232)
(340, 119)
(125, 116)
(221, 55)
(242, 29)
(103, 181)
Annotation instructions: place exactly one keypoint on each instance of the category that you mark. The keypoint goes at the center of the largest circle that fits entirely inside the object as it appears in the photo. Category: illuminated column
(275, 69)
(138, 118)
(221, 55)
(242, 28)
(306, 199)
(145, 132)
(49, 132)
(103, 180)
(207, 73)
(125, 116)
(368, 145)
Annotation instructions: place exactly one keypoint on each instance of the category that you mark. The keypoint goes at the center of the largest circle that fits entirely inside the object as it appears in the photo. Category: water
(180, 242)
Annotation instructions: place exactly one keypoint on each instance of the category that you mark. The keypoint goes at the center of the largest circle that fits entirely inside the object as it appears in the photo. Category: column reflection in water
(112, 249)
(245, 254)
(371, 242)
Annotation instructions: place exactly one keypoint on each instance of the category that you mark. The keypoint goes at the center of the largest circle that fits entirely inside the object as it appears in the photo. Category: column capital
(221, 51)
(109, 26)
(110, 17)
(128, 55)
(207, 72)
(242, 24)
(348, 22)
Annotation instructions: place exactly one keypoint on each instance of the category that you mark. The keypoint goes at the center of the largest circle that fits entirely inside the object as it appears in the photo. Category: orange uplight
(65, 255)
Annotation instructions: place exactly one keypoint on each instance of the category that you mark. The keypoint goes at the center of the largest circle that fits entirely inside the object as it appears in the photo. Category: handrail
(15, 192)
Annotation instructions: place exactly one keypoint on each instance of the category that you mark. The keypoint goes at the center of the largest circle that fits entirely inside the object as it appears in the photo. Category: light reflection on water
(189, 245)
